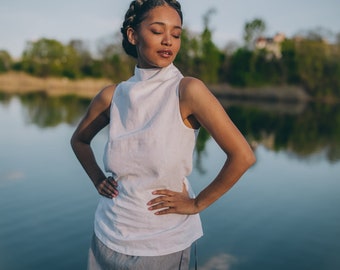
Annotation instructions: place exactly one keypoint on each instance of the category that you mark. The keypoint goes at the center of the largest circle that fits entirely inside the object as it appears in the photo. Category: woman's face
(157, 38)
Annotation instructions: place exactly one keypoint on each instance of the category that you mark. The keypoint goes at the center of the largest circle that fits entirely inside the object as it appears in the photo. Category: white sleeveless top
(148, 148)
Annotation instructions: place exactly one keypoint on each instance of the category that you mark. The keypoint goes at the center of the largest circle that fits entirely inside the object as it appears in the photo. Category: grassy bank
(18, 82)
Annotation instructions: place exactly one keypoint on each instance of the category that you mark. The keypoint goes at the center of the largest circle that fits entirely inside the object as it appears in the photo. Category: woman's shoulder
(105, 95)
(189, 82)
(191, 87)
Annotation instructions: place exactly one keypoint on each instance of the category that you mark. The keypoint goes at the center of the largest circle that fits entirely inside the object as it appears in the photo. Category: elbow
(248, 159)
(251, 159)
(73, 142)
(78, 142)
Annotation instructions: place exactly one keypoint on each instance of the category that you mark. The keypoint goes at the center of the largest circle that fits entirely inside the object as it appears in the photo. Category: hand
(172, 202)
(108, 188)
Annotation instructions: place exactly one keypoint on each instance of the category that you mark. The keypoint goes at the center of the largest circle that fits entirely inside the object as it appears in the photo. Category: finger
(111, 185)
(111, 181)
(159, 199)
(166, 211)
(107, 190)
(163, 192)
(161, 205)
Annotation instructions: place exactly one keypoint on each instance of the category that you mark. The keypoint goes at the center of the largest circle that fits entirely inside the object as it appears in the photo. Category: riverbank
(20, 83)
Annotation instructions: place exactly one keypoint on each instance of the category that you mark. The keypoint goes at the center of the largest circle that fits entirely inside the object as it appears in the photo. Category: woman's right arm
(95, 119)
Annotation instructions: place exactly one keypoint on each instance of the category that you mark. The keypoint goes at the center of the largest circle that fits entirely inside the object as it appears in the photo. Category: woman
(147, 217)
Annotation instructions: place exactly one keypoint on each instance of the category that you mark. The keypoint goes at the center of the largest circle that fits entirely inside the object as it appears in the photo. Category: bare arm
(199, 104)
(95, 119)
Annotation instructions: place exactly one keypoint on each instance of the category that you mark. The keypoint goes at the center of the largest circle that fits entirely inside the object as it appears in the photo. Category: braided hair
(136, 14)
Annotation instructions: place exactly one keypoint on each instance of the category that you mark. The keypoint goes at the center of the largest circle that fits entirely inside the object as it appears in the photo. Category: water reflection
(283, 214)
(312, 131)
(46, 111)
(304, 129)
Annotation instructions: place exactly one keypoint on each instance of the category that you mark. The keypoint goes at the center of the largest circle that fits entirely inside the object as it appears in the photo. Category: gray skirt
(103, 258)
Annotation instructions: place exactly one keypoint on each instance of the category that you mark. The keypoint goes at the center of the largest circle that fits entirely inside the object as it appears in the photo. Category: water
(283, 214)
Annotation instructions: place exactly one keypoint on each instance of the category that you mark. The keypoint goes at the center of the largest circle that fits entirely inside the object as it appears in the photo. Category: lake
(283, 214)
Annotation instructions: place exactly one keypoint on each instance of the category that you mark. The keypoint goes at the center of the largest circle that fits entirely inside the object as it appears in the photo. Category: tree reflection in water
(303, 129)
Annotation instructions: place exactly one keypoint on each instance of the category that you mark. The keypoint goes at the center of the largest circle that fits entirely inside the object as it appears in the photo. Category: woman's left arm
(198, 102)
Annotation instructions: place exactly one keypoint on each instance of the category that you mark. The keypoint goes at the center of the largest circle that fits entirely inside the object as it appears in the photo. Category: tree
(252, 31)
(49, 57)
(337, 39)
(289, 62)
(188, 53)
(206, 58)
(239, 67)
(316, 34)
(5, 61)
(211, 55)
(85, 61)
(318, 67)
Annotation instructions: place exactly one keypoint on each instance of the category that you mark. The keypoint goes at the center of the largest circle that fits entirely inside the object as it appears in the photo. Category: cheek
(177, 45)
(146, 44)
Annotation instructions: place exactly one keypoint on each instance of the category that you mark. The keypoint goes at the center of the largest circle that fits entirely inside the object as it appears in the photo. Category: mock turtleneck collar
(143, 74)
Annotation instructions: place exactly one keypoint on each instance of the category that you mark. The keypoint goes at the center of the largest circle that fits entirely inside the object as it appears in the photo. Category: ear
(131, 35)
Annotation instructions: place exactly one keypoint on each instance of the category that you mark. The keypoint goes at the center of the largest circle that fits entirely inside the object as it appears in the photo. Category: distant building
(271, 45)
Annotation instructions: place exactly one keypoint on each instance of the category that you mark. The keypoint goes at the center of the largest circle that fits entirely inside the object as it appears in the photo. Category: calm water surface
(283, 214)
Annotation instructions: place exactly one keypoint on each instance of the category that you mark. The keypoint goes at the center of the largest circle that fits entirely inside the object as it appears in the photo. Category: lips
(165, 53)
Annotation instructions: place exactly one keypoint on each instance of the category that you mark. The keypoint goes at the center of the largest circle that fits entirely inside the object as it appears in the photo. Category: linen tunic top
(149, 148)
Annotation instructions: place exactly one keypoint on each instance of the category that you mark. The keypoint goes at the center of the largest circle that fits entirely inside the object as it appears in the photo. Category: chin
(164, 64)
(156, 64)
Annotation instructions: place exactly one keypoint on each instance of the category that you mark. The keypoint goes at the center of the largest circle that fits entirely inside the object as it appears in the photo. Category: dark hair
(136, 14)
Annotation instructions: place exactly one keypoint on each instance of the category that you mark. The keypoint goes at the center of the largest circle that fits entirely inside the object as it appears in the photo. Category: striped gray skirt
(103, 258)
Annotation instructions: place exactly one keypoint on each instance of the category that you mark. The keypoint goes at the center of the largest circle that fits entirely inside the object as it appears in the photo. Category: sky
(91, 21)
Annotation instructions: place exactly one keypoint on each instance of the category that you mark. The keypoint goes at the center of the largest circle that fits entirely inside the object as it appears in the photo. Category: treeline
(308, 60)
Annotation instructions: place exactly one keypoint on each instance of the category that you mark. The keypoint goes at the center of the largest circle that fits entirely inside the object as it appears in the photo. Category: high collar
(143, 74)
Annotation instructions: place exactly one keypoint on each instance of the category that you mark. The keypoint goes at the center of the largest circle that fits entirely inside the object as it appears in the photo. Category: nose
(167, 41)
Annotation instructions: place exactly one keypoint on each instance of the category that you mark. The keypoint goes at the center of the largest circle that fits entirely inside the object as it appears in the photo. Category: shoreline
(21, 83)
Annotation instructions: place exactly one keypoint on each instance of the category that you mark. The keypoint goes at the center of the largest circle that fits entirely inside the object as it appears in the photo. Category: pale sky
(29, 20)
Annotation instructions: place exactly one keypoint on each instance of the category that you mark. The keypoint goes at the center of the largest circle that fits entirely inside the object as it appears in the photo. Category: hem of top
(116, 248)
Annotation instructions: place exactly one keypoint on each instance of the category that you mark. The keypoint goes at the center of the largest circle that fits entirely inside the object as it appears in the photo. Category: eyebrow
(163, 24)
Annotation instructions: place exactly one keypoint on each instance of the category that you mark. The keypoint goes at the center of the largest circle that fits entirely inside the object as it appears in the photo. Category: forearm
(230, 173)
(88, 161)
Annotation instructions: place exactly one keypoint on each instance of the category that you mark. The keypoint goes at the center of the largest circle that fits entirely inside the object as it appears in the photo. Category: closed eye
(157, 32)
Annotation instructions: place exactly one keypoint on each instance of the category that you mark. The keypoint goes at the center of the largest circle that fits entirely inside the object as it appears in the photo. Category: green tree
(199, 56)
(289, 63)
(186, 57)
(252, 31)
(239, 67)
(318, 67)
(84, 59)
(5, 61)
(212, 57)
(46, 57)
(116, 65)
(264, 70)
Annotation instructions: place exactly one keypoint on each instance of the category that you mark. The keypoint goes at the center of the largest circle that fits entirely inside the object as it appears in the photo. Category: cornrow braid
(136, 13)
